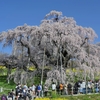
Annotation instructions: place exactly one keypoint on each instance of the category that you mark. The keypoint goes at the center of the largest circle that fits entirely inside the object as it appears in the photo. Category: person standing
(84, 87)
(76, 86)
(61, 88)
(41, 90)
(33, 91)
(45, 90)
(65, 89)
(3, 97)
(96, 87)
(99, 85)
(57, 88)
(69, 87)
(53, 88)
(38, 90)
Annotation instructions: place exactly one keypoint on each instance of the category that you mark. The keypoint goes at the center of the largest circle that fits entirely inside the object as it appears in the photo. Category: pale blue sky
(17, 12)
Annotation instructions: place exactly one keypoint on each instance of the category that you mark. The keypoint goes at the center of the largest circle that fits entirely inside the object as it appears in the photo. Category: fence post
(1, 89)
(72, 90)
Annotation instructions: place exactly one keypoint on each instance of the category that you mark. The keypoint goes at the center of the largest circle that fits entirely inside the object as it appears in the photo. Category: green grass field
(84, 97)
(6, 87)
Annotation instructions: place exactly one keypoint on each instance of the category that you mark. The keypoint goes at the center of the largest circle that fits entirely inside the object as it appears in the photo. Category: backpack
(96, 85)
(58, 87)
(38, 87)
(17, 89)
(3, 97)
(69, 86)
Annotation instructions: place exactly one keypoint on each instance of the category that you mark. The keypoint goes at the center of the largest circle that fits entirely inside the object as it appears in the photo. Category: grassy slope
(80, 97)
(85, 97)
(5, 85)
(11, 85)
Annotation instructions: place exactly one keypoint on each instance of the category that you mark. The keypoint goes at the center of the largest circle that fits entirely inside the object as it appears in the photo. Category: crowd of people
(80, 87)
